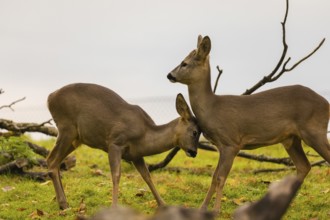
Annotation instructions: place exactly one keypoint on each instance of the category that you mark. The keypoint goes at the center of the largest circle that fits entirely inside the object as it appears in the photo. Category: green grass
(186, 186)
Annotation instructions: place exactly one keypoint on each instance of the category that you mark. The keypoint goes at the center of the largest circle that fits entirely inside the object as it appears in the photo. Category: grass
(88, 187)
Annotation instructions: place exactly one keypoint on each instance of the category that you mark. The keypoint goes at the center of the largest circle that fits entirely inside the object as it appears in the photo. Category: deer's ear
(182, 107)
(199, 40)
(204, 48)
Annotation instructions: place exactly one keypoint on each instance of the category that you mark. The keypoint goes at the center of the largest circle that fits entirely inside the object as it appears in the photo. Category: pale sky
(130, 46)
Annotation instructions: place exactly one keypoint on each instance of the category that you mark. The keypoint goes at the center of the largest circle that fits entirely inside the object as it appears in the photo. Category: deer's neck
(201, 94)
(160, 138)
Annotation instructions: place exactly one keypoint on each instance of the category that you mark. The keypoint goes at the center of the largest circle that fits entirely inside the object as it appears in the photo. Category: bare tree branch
(274, 75)
(11, 104)
(262, 158)
(317, 163)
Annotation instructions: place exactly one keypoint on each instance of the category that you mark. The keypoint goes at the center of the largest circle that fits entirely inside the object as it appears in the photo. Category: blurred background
(130, 47)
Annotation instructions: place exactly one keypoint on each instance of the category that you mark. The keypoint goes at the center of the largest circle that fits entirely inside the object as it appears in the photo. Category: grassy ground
(88, 187)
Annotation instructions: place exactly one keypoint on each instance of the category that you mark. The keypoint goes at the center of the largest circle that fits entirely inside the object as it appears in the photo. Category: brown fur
(96, 116)
(284, 115)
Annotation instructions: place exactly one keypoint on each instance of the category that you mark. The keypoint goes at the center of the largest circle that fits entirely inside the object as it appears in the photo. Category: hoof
(64, 205)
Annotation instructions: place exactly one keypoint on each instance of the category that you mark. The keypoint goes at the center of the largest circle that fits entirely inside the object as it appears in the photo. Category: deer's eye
(183, 64)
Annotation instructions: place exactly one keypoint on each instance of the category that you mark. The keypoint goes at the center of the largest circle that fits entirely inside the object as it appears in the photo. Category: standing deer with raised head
(96, 116)
(286, 115)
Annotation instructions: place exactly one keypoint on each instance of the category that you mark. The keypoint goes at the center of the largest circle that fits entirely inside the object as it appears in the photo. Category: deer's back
(272, 115)
(280, 103)
(97, 113)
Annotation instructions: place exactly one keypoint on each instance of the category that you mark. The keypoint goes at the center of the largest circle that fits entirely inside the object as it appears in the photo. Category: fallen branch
(205, 145)
(38, 176)
(262, 158)
(38, 149)
(318, 163)
(66, 164)
(21, 165)
(28, 127)
(164, 163)
(15, 166)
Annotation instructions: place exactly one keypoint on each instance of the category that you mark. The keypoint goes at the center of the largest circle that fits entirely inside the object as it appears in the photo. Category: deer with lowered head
(286, 115)
(96, 116)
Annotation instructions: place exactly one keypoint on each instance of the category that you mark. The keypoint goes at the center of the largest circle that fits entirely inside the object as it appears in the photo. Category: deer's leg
(319, 142)
(62, 148)
(297, 154)
(114, 155)
(211, 190)
(143, 170)
(228, 155)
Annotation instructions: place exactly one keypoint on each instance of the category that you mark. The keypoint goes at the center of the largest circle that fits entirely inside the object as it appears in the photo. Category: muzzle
(171, 78)
(191, 153)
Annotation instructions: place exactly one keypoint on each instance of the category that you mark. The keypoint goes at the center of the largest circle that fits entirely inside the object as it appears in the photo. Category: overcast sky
(130, 46)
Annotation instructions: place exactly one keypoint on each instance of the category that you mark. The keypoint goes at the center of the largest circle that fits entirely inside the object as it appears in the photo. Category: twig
(306, 57)
(217, 80)
(11, 104)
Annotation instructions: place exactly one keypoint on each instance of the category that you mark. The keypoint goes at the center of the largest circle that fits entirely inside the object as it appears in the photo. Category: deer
(286, 115)
(96, 116)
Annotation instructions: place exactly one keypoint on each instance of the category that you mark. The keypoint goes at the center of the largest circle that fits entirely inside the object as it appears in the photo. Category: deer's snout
(171, 78)
(191, 153)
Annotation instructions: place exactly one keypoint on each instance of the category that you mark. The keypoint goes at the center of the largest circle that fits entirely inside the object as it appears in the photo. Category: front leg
(227, 157)
(143, 170)
(114, 156)
(212, 188)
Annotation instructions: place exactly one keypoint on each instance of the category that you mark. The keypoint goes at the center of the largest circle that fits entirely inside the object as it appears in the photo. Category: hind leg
(296, 153)
(62, 148)
(319, 142)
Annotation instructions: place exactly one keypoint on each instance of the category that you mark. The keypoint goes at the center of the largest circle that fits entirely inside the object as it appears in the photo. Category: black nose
(171, 78)
(192, 153)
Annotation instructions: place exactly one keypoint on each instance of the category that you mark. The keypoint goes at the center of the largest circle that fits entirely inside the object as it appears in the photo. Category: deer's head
(187, 131)
(193, 67)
